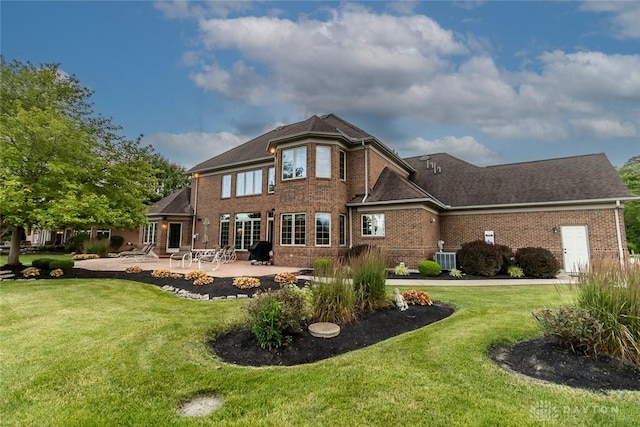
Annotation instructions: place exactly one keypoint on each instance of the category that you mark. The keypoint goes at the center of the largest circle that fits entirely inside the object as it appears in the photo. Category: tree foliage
(62, 165)
(630, 174)
(170, 177)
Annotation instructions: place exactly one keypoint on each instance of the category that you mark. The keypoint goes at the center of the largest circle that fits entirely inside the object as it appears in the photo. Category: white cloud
(361, 62)
(625, 16)
(189, 149)
(466, 148)
(183, 9)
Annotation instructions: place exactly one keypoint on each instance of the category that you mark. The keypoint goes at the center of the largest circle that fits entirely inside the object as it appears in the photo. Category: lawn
(113, 352)
(25, 259)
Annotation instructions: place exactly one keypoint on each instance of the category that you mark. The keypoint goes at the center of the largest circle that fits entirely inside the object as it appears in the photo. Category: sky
(486, 81)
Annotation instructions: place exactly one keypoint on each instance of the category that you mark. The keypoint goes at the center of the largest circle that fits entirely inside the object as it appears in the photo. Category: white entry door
(575, 248)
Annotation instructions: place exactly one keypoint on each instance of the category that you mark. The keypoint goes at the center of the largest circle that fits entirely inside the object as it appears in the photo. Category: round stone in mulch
(199, 406)
(324, 330)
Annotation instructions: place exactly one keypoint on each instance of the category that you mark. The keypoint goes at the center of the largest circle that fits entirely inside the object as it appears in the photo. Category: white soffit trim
(549, 208)
(394, 207)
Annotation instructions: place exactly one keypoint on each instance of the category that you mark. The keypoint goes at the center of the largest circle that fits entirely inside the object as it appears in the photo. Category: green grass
(112, 352)
(27, 258)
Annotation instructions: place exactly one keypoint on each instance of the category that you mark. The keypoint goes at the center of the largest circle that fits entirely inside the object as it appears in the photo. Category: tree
(630, 174)
(170, 177)
(61, 164)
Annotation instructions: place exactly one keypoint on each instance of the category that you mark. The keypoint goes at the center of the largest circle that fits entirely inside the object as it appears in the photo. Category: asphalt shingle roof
(176, 203)
(458, 183)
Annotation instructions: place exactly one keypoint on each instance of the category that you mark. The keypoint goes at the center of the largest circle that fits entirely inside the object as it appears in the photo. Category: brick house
(320, 186)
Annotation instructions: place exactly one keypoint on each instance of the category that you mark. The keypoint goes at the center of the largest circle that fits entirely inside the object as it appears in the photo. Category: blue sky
(489, 82)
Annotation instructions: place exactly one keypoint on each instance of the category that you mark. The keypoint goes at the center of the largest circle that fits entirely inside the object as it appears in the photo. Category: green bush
(515, 272)
(574, 327)
(42, 263)
(75, 243)
(99, 248)
(538, 263)
(369, 275)
(63, 264)
(507, 255)
(480, 258)
(267, 322)
(115, 242)
(321, 267)
(429, 268)
(333, 299)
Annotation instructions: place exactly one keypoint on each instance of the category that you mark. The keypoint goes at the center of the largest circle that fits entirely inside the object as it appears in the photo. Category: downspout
(195, 212)
(366, 173)
(619, 234)
(350, 228)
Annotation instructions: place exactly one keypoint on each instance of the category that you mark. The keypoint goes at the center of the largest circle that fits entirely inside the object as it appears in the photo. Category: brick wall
(523, 229)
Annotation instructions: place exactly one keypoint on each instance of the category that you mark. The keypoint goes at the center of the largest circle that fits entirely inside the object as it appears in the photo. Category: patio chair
(140, 255)
(215, 258)
(184, 255)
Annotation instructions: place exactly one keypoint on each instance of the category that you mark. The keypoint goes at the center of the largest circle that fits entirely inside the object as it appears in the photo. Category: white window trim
(271, 172)
(296, 161)
(315, 224)
(384, 228)
(340, 156)
(256, 186)
(342, 218)
(226, 186)
(293, 230)
(320, 148)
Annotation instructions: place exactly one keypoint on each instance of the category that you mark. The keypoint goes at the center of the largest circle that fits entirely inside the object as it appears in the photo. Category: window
(323, 229)
(294, 163)
(226, 186)
(224, 230)
(271, 180)
(343, 165)
(293, 229)
(150, 234)
(103, 233)
(343, 230)
(247, 229)
(373, 225)
(248, 183)
(323, 161)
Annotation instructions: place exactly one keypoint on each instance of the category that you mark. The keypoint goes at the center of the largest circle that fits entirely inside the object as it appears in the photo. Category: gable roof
(178, 203)
(257, 149)
(569, 179)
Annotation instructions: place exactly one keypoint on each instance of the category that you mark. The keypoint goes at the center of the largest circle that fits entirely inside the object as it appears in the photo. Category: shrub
(480, 258)
(454, 272)
(429, 268)
(274, 316)
(286, 279)
(75, 243)
(612, 295)
(161, 273)
(31, 272)
(205, 280)
(401, 270)
(333, 299)
(414, 297)
(42, 263)
(246, 282)
(63, 264)
(266, 322)
(321, 267)
(80, 257)
(115, 242)
(198, 277)
(575, 327)
(515, 272)
(99, 248)
(508, 259)
(538, 263)
(133, 269)
(357, 250)
(369, 275)
(58, 272)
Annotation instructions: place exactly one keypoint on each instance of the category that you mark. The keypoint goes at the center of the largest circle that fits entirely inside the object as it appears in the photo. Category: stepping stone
(324, 330)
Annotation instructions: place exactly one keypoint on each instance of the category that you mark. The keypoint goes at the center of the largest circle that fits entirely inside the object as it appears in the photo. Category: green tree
(62, 164)
(630, 174)
(170, 177)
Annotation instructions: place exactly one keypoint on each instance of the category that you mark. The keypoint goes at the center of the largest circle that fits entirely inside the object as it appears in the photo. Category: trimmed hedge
(480, 258)
(42, 263)
(52, 264)
(429, 268)
(538, 263)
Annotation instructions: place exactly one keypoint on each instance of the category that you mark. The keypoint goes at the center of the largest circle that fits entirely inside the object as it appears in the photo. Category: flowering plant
(414, 297)
(285, 279)
(163, 272)
(56, 273)
(246, 282)
(133, 269)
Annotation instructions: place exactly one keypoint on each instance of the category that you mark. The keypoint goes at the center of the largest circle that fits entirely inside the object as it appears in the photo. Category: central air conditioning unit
(447, 260)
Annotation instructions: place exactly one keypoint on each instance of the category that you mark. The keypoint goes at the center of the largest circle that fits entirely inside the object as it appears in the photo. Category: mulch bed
(541, 358)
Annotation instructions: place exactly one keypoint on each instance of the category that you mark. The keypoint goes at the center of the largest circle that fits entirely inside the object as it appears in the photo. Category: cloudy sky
(489, 82)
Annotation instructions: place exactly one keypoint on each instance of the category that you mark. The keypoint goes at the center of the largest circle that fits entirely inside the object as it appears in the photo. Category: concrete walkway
(244, 268)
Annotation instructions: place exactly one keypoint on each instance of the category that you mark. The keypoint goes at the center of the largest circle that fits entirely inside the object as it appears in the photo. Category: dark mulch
(542, 358)
(241, 348)
(546, 359)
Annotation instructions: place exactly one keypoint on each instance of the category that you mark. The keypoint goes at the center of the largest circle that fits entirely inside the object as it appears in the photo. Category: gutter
(559, 203)
(366, 172)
